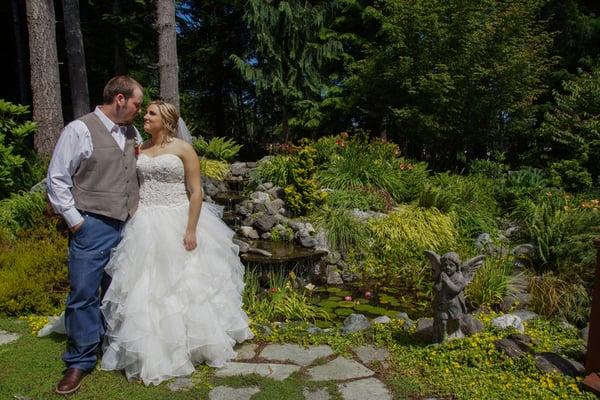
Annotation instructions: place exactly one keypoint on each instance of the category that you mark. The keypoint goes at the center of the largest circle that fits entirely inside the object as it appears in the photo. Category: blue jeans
(89, 252)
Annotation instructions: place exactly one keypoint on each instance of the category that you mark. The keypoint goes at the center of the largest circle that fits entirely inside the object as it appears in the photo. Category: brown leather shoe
(71, 381)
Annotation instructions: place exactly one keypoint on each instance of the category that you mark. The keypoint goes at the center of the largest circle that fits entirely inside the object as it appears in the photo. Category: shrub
(218, 148)
(361, 164)
(294, 173)
(214, 169)
(344, 232)
(364, 199)
(571, 176)
(552, 296)
(492, 282)
(523, 183)
(33, 272)
(279, 302)
(488, 168)
(562, 231)
(19, 166)
(470, 199)
(394, 254)
(22, 210)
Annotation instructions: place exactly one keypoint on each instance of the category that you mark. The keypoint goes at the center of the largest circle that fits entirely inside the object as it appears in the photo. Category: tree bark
(20, 46)
(45, 80)
(167, 51)
(76, 59)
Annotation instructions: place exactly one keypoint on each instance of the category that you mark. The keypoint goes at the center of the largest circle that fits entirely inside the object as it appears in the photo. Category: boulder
(249, 232)
(470, 325)
(509, 321)
(355, 323)
(552, 362)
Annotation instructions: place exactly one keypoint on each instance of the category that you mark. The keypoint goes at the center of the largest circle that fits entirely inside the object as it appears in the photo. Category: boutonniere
(137, 149)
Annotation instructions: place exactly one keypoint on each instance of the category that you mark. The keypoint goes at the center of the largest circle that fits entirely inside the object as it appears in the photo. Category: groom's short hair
(120, 84)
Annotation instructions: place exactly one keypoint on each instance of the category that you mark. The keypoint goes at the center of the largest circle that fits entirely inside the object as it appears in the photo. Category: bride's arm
(191, 166)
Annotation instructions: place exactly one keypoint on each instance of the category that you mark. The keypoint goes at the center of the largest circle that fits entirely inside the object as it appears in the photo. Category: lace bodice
(162, 180)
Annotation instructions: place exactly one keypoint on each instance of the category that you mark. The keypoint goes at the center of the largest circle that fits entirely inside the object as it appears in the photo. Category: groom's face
(129, 108)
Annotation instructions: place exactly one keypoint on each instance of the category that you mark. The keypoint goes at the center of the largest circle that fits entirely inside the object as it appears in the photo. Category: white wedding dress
(167, 308)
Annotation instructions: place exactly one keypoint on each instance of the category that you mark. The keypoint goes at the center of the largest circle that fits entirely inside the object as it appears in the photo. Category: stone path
(350, 374)
(354, 379)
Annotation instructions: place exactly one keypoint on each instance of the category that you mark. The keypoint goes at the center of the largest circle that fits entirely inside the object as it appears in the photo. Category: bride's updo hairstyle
(169, 116)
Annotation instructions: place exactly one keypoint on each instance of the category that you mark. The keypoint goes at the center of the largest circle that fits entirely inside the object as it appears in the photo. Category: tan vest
(107, 183)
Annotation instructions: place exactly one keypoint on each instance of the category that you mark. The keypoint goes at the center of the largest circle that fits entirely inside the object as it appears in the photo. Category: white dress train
(167, 308)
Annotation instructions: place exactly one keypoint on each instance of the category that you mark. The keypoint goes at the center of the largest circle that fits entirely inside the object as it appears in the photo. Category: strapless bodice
(162, 180)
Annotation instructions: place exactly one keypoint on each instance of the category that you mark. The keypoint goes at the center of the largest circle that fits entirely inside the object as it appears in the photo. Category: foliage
(449, 80)
(33, 273)
(470, 199)
(279, 302)
(571, 176)
(291, 46)
(295, 174)
(218, 148)
(214, 169)
(19, 167)
(492, 282)
(473, 368)
(519, 184)
(573, 124)
(344, 232)
(366, 198)
(394, 254)
(20, 211)
(553, 297)
(360, 164)
(562, 231)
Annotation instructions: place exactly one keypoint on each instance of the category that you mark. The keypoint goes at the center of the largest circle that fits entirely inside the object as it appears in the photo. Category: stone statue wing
(470, 267)
(434, 261)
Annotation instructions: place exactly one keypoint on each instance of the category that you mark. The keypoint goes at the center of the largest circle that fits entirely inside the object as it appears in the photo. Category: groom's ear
(120, 99)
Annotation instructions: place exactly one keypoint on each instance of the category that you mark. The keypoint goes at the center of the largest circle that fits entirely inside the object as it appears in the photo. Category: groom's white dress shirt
(74, 146)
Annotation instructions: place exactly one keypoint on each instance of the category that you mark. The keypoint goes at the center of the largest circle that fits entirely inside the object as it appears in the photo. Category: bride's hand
(189, 241)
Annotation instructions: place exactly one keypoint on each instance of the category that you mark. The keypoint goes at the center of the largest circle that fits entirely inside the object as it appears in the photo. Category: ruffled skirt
(167, 308)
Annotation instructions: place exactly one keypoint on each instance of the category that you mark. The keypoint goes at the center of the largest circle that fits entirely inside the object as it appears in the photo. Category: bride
(175, 297)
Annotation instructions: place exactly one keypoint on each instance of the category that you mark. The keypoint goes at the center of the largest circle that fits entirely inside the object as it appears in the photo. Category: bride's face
(152, 120)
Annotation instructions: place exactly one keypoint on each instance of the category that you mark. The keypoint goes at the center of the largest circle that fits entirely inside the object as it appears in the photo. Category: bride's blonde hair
(169, 116)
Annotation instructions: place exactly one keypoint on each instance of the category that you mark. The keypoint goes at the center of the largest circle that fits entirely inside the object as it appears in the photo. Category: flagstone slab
(246, 351)
(183, 384)
(339, 369)
(227, 393)
(319, 394)
(295, 353)
(368, 354)
(370, 388)
(277, 372)
(8, 337)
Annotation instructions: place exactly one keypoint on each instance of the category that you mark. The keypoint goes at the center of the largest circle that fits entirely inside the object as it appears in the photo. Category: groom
(92, 183)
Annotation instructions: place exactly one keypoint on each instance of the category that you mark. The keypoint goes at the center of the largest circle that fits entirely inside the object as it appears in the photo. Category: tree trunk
(20, 46)
(167, 51)
(120, 68)
(45, 81)
(76, 59)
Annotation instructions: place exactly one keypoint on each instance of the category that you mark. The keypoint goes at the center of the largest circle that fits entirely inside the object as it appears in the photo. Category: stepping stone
(277, 372)
(371, 388)
(339, 369)
(227, 393)
(319, 394)
(367, 354)
(246, 351)
(8, 337)
(294, 353)
(181, 385)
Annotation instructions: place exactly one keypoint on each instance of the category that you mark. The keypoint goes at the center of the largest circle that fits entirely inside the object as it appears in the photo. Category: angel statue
(451, 277)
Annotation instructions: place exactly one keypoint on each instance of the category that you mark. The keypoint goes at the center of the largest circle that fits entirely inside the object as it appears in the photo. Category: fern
(218, 148)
